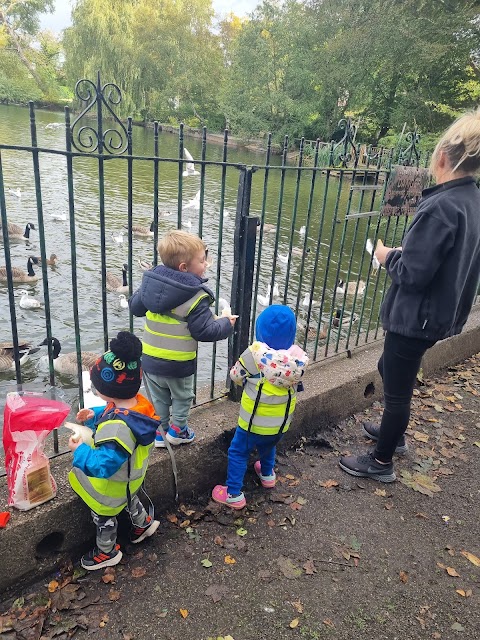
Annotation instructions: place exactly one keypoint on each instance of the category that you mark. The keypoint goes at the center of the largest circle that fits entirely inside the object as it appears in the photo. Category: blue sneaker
(159, 442)
(177, 435)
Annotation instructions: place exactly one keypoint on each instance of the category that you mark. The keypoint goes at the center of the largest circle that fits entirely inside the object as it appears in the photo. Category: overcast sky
(61, 17)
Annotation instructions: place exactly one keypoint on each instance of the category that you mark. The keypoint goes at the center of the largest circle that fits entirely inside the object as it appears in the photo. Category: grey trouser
(107, 525)
(171, 395)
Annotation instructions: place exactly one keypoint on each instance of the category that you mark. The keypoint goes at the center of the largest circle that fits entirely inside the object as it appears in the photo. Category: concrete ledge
(34, 542)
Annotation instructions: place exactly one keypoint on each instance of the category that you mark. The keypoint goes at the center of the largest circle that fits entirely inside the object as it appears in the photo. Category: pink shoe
(219, 494)
(268, 482)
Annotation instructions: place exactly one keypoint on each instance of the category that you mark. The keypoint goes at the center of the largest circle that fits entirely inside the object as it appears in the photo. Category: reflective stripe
(270, 412)
(264, 421)
(175, 327)
(117, 431)
(189, 305)
(163, 341)
(248, 361)
(251, 391)
(92, 492)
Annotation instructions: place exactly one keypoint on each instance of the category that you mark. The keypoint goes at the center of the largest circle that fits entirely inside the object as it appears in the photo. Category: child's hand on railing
(85, 414)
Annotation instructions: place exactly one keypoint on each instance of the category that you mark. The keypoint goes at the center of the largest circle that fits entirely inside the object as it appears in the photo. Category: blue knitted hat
(276, 326)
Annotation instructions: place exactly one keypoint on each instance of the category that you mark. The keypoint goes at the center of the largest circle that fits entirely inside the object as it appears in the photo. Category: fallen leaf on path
(469, 556)
(229, 560)
(163, 613)
(109, 575)
(301, 500)
(404, 577)
(298, 606)
(309, 567)
(52, 586)
(294, 623)
(113, 595)
(380, 492)
(184, 524)
(152, 557)
(289, 476)
(271, 523)
(206, 563)
(328, 623)
(218, 540)
(296, 506)
(450, 570)
(104, 620)
(187, 512)
(138, 572)
(241, 532)
(477, 444)
(184, 613)
(464, 594)
(288, 568)
(171, 517)
(418, 482)
(421, 437)
(328, 484)
(216, 591)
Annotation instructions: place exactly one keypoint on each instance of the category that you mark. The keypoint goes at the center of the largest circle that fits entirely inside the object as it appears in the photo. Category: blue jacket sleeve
(136, 305)
(203, 326)
(101, 462)
(426, 244)
(97, 411)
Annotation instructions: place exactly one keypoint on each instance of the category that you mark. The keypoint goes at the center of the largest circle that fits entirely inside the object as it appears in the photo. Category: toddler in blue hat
(269, 370)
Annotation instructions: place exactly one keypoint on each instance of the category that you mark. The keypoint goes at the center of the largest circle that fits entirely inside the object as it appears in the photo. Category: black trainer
(373, 432)
(137, 534)
(97, 559)
(367, 467)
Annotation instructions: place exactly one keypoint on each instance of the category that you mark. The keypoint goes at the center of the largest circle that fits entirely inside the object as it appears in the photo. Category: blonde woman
(435, 278)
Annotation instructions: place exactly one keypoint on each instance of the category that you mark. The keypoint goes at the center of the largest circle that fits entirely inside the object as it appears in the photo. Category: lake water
(317, 277)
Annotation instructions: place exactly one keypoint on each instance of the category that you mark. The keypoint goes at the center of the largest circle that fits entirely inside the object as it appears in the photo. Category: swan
(142, 232)
(15, 231)
(67, 363)
(54, 125)
(52, 261)
(28, 303)
(90, 399)
(350, 288)
(194, 202)
(122, 298)
(117, 284)
(282, 259)
(302, 230)
(15, 192)
(265, 300)
(190, 166)
(307, 301)
(58, 216)
(375, 263)
(19, 275)
(117, 237)
(345, 321)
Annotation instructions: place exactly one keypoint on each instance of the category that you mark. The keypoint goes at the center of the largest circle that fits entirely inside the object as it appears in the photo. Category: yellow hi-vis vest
(108, 496)
(264, 409)
(166, 335)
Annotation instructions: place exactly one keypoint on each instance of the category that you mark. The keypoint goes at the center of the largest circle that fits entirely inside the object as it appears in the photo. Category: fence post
(245, 239)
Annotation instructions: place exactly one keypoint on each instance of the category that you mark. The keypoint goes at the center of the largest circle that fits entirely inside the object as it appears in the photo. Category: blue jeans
(239, 452)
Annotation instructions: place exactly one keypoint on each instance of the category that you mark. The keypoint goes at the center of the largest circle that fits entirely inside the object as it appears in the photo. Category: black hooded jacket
(435, 277)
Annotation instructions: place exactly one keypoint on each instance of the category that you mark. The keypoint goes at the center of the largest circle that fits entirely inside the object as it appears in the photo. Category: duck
(19, 275)
(16, 231)
(194, 202)
(312, 331)
(15, 192)
(375, 263)
(117, 237)
(7, 356)
(26, 302)
(302, 230)
(122, 299)
(142, 232)
(344, 321)
(67, 363)
(51, 261)
(117, 284)
(190, 166)
(58, 216)
(145, 265)
(350, 287)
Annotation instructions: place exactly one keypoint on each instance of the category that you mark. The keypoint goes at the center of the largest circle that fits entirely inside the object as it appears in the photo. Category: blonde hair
(461, 144)
(179, 246)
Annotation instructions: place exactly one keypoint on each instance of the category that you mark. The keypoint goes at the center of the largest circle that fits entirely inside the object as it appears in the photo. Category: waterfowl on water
(145, 265)
(117, 237)
(26, 302)
(19, 275)
(67, 362)
(52, 261)
(307, 301)
(345, 321)
(265, 300)
(350, 287)
(302, 230)
(58, 216)
(117, 284)
(122, 298)
(190, 166)
(194, 202)
(15, 192)
(16, 231)
(7, 358)
(375, 263)
(140, 231)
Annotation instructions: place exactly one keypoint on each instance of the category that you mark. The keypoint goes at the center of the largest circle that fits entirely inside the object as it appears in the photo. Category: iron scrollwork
(345, 150)
(410, 155)
(85, 138)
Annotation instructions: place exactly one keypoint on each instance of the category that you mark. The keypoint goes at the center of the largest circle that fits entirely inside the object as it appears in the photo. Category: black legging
(398, 366)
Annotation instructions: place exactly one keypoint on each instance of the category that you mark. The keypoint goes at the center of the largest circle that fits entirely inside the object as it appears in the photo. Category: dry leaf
(138, 572)
(218, 540)
(464, 594)
(388, 506)
(294, 623)
(329, 623)
(185, 524)
(451, 572)
(187, 512)
(298, 606)
(289, 476)
(380, 492)
(52, 586)
(271, 523)
(109, 575)
(113, 595)
(469, 556)
(421, 437)
(216, 591)
(301, 500)
(295, 506)
(184, 613)
(288, 568)
(229, 560)
(104, 620)
(329, 483)
(171, 517)
(309, 567)
(404, 577)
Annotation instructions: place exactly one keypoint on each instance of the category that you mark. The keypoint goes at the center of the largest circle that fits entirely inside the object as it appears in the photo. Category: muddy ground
(324, 555)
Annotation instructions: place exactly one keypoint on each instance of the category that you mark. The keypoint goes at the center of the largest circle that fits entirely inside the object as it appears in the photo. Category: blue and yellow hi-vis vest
(167, 336)
(265, 409)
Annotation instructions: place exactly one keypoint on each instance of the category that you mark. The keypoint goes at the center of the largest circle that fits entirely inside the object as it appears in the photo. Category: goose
(302, 230)
(67, 363)
(7, 357)
(117, 237)
(350, 288)
(194, 202)
(117, 284)
(52, 261)
(58, 216)
(28, 303)
(15, 192)
(375, 263)
(19, 275)
(15, 231)
(122, 298)
(190, 166)
(145, 265)
(90, 399)
(345, 321)
(140, 231)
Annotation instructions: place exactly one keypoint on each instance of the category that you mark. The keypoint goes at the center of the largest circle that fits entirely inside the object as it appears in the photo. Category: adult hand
(233, 319)
(382, 251)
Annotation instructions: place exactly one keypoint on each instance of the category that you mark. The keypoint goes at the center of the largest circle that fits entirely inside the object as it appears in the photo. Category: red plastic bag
(28, 419)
